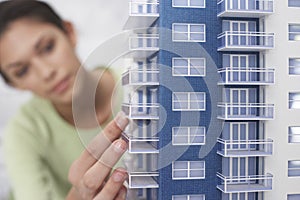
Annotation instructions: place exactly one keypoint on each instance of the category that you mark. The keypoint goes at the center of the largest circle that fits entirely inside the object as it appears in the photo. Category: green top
(39, 148)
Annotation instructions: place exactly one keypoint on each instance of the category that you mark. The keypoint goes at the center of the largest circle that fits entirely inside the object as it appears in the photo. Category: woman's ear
(70, 31)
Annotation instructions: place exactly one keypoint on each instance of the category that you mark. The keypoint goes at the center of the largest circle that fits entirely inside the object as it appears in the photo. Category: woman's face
(40, 57)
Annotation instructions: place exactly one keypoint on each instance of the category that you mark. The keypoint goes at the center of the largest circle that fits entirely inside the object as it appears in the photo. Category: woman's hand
(89, 174)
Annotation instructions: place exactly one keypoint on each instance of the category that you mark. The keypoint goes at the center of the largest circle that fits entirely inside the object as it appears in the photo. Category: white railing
(246, 111)
(144, 8)
(144, 42)
(141, 77)
(245, 147)
(141, 144)
(251, 183)
(253, 6)
(141, 111)
(238, 76)
(143, 180)
(249, 40)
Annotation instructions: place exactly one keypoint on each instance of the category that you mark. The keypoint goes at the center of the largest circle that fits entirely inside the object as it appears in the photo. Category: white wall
(95, 21)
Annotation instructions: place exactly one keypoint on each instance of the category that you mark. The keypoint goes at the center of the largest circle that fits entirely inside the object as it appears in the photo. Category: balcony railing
(246, 111)
(250, 76)
(252, 183)
(253, 8)
(141, 144)
(245, 41)
(142, 14)
(244, 148)
(146, 42)
(143, 180)
(143, 8)
(141, 111)
(140, 77)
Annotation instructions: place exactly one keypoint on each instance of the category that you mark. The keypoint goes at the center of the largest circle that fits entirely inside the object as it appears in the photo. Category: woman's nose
(45, 70)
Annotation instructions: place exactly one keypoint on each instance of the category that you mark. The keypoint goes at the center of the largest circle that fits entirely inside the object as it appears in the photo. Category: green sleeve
(30, 177)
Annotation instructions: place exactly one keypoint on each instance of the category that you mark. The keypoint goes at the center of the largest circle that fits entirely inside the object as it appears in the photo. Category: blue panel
(169, 84)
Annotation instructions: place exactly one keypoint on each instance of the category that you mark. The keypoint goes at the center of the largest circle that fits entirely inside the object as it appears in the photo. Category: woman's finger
(122, 194)
(96, 175)
(114, 186)
(96, 148)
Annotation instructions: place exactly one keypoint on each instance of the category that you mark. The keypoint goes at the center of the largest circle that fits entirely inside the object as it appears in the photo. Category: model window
(188, 101)
(294, 134)
(294, 100)
(189, 3)
(294, 3)
(293, 196)
(294, 66)
(189, 66)
(293, 168)
(189, 197)
(294, 32)
(188, 170)
(188, 32)
(188, 135)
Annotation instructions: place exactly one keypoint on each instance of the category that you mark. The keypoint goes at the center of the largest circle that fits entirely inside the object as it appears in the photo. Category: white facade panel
(278, 94)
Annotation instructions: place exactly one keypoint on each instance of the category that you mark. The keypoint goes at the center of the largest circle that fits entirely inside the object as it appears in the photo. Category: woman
(44, 155)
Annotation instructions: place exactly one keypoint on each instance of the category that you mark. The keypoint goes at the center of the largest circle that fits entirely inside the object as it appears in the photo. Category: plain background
(96, 21)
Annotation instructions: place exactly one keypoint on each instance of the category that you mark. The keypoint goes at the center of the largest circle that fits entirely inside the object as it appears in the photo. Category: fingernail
(118, 177)
(120, 147)
(121, 120)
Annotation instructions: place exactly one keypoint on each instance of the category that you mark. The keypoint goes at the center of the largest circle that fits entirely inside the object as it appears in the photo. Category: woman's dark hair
(12, 10)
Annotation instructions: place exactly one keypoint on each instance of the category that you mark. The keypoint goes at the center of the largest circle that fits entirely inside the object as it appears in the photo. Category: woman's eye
(21, 72)
(48, 47)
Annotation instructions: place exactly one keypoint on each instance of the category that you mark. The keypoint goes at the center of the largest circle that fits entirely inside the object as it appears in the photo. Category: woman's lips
(61, 86)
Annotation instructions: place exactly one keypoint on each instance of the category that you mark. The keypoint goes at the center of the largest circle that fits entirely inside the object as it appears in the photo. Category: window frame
(188, 196)
(189, 135)
(294, 67)
(295, 134)
(297, 33)
(188, 101)
(188, 170)
(188, 33)
(290, 6)
(297, 169)
(291, 100)
(188, 4)
(189, 66)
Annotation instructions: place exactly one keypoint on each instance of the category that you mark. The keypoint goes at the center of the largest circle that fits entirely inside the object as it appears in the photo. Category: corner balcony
(144, 45)
(252, 183)
(140, 144)
(250, 76)
(136, 77)
(245, 148)
(143, 180)
(245, 41)
(142, 14)
(141, 111)
(246, 111)
(239, 8)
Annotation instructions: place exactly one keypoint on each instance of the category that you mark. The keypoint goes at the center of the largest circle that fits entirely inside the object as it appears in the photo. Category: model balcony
(246, 111)
(142, 14)
(252, 183)
(140, 77)
(143, 180)
(141, 111)
(244, 148)
(242, 8)
(245, 41)
(143, 45)
(141, 144)
(250, 76)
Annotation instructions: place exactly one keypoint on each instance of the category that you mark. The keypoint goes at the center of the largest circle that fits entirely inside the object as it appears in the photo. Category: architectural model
(213, 92)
